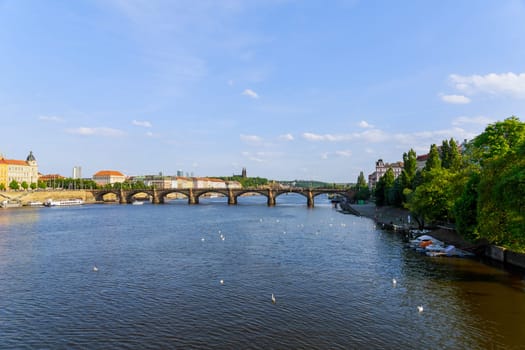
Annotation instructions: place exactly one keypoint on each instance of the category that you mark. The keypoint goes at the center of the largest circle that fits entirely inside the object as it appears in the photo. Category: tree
(466, 207)
(2, 187)
(361, 182)
(433, 200)
(14, 185)
(33, 186)
(433, 160)
(24, 185)
(383, 188)
(450, 156)
(497, 140)
(408, 175)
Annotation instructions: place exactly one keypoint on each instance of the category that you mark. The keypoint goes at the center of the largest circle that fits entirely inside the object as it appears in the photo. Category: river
(160, 267)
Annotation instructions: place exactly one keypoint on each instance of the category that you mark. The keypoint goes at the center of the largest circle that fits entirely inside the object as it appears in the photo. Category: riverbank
(26, 197)
(393, 217)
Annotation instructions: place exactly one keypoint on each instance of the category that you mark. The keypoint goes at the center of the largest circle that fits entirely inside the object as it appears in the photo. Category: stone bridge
(158, 196)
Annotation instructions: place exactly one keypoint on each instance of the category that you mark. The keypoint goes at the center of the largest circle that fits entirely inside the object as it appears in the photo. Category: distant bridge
(158, 196)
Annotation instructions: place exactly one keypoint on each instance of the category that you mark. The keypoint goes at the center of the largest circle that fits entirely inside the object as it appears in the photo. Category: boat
(425, 240)
(137, 202)
(10, 204)
(35, 204)
(63, 202)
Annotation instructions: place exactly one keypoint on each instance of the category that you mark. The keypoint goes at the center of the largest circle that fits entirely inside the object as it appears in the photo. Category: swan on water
(420, 308)
(95, 269)
(273, 299)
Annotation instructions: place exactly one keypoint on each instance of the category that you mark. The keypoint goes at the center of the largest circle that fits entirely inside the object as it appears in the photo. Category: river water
(158, 284)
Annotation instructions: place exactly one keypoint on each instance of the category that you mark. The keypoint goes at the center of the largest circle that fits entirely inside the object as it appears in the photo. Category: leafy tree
(498, 139)
(361, 182)
(433, 160)
(41, 184)
(2, 187)
(450, 156)
(33, 185)
(432, 200)
(466, 206)
(24, 185)
(383, 188)
(14, 185)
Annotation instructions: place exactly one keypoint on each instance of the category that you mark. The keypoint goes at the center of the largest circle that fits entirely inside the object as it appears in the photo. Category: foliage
(361, 188)
(465, 208)
(2, 187)
(14, 185)
(33, 185)
(384, 187)
(433, 201)
(24, 185)
(433, 160)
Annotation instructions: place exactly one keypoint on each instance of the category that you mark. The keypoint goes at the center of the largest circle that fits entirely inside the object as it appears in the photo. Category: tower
(244, 173)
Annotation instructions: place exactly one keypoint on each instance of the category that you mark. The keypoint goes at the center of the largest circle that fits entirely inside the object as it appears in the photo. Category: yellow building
(18, 170)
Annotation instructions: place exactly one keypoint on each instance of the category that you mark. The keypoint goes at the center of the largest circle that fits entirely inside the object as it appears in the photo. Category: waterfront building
(18, 170)
(381, 169)
(105, 177)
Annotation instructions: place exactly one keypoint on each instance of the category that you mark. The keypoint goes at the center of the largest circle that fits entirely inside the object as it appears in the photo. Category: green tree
(497, 140)
(24, 185)
(433, 160)
(33, 185)
(2, 187)
(14, 185)
(383, 188)
(433, 200)
(450, 156)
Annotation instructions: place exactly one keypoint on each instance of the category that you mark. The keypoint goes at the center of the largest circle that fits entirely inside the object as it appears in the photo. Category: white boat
(63, 202)
(137, 202)
(10, 204)
(425, 240)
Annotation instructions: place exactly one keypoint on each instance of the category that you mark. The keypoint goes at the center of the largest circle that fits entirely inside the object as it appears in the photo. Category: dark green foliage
(14, 185)
(465, 208)
(433, 160)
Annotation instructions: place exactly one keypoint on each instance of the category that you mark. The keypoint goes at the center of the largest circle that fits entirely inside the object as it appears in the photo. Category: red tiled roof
(108, 173)
(13, 162)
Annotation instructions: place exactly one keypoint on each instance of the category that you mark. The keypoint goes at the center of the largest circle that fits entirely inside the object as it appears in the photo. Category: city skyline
(288, 90)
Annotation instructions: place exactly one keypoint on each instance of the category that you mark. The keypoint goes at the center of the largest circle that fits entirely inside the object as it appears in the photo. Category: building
(18, 170)
(77, 172)
(381, 169)
(107, 177)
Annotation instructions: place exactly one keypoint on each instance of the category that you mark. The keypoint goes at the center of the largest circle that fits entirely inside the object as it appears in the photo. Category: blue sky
(288, 89)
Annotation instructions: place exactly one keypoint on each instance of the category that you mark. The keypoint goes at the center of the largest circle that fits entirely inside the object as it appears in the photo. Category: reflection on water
(160, 266)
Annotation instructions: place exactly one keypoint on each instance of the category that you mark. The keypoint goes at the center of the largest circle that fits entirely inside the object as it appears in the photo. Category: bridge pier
(310, 199)
(271, 198)
(232, 200)
(155, 199)
(192, 199)
(122, 197)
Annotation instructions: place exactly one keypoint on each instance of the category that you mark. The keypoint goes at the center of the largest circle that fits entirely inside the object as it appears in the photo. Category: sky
(288, 89)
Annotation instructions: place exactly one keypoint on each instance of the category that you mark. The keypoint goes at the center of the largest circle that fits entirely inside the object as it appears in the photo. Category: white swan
(95, 269)
(394, 281)
(273, 299)
(420, 308)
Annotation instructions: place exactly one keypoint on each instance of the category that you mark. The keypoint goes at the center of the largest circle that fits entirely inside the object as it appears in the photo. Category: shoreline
(391, 217)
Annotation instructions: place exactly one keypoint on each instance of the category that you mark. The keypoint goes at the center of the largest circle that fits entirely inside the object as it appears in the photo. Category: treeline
(478, 186)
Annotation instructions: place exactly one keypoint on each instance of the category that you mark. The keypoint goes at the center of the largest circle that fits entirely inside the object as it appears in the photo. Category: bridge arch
(99, 197)
(132, 193)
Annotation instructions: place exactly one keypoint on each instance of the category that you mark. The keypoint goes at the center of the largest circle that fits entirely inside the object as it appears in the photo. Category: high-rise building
(77, 172)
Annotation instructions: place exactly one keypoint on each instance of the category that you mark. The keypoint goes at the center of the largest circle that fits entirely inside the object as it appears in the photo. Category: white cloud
(250, 93)
(495, 84)
(287, 137)
(149, 134)
(371, 135)
(103, 131)
(455, 99)
(251, 138)
(480, 120)
(50, 118)
(364, 124)
(344, 153)
(144, 124)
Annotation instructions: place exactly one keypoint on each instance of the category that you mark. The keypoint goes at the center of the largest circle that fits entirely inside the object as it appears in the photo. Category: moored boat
(10, 204)
(63, 202)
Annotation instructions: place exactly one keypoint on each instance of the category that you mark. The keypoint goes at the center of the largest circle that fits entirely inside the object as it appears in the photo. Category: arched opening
(175, 198)
(212, 197)
(140, 198)
(291, 199)
(109, 198)
(252, 198)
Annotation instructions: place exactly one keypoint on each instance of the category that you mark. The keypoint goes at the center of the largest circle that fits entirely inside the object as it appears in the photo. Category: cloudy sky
(288, 89)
